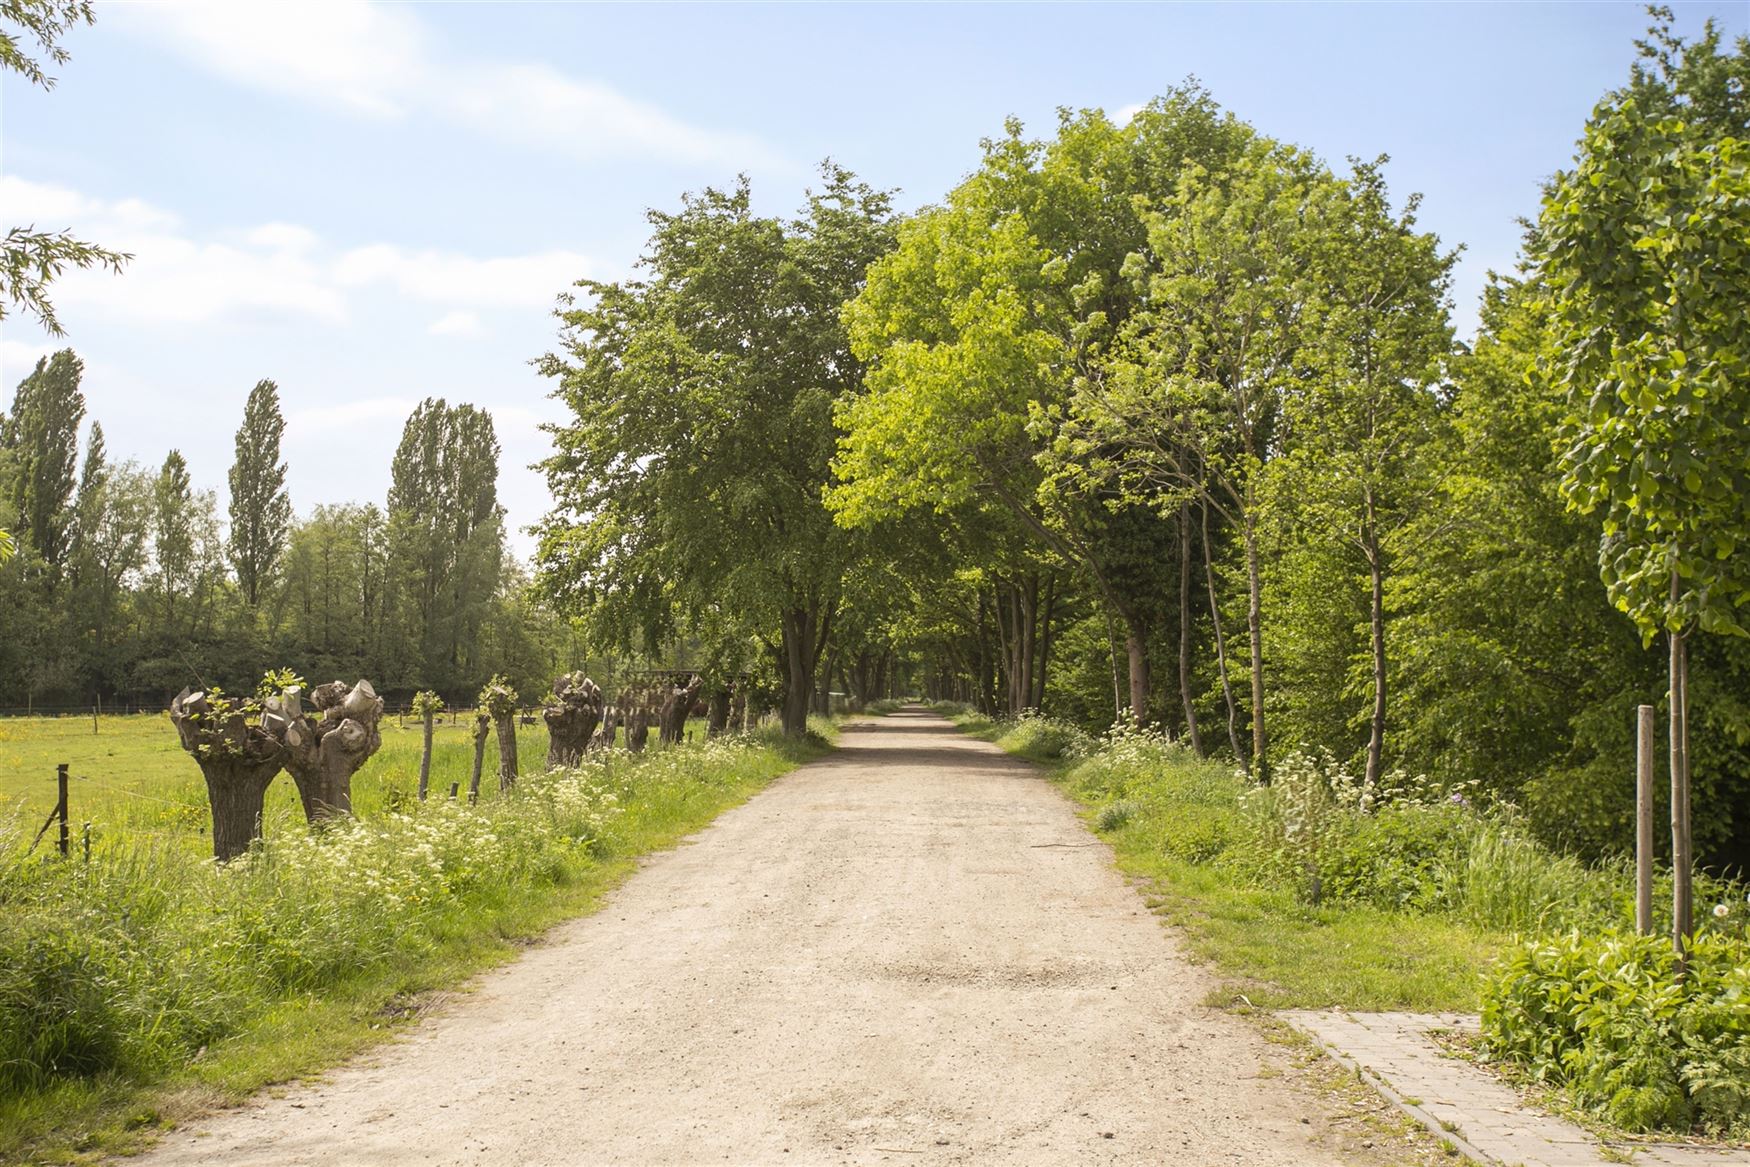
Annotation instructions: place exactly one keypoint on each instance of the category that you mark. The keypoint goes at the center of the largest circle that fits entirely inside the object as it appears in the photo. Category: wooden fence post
(1644, 732)
(61, 805)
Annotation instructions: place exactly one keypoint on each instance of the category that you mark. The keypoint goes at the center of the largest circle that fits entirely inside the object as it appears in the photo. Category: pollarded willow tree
(691, 473)
(1644, 247)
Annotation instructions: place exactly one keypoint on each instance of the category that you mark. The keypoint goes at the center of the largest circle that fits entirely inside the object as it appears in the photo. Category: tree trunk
(798, 629)
(507, 761)
(1376, 623)
(425, 757)
(482, 727)
(1044, 645)
(717, 713)
(236, 789)
(672, 722)
(1117, 680)
(1682, 862)
(238, 761)
(1227, 689)
(604, 737)
(1255, 629)
(1136, 648)
(738, 711)
(1185, 697)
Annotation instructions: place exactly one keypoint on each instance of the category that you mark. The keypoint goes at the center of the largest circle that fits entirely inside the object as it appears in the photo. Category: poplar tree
(261, 510)
(446, 531)
(42, 433)
(173, 544)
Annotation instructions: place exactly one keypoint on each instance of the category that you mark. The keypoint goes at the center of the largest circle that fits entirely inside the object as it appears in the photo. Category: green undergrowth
(149, 984)
(1633, 1041)
(1316, 892)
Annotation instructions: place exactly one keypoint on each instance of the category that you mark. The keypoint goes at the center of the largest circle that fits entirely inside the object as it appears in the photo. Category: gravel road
(911, 952)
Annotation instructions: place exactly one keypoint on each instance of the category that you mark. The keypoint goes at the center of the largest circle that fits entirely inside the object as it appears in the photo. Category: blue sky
(373, 204)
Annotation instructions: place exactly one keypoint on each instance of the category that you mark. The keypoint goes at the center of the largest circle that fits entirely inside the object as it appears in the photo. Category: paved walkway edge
(1477, 1113)
(1384, 1089)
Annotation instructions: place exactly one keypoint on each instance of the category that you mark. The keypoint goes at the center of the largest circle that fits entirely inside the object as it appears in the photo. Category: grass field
(150, 984)
(132, 775)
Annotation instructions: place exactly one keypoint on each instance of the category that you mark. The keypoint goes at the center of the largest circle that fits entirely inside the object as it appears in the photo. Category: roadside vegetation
(1317, 891)
(149, 981)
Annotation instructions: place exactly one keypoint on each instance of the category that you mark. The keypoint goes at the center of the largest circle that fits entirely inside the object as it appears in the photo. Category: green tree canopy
(703, 393)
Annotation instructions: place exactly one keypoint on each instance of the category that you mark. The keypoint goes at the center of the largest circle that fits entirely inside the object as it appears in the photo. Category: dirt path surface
(910, 952)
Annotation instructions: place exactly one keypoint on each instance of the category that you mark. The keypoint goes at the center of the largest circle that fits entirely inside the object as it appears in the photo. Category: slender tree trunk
(425, 757)
(507, 762)
(482, 727)
(1136, 648)
(1227, 689)
(717, 713)
(1255, 630)
(1117, 680)
(1044, 645)
(1682, 862)
(1376, 617)
(1191, 730)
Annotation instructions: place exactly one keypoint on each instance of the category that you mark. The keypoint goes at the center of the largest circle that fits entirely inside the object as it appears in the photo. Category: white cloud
(172, 278)
(360, 57)
(1126, 112)
(525, 281)
(308, 421)
(379, 60)
(458, 323)
(280, 270)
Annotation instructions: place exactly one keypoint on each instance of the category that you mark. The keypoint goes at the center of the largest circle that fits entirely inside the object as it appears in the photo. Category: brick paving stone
(1456, 1100)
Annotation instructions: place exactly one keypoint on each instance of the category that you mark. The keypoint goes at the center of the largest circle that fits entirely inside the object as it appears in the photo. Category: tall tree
(173, 533)
(987, 315)
(446, 533)
(1354, 475)
(692, 471)
(1190, 404)
(261, 510)
(42, 432)
(1645, 247)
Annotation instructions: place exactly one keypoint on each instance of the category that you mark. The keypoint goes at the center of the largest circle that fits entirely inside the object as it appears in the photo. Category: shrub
(1610, 1018)
(1115, 815)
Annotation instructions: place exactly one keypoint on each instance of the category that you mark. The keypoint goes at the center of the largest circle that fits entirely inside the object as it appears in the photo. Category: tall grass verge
(1314, 891)
(147, 981)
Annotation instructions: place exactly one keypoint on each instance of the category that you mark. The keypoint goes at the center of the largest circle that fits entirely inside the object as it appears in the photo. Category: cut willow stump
(738, 708)
(572, 719)
(324, 752)
(683, 690)
(238, 760)
(637, 720)
(717, 713)
(604, 737)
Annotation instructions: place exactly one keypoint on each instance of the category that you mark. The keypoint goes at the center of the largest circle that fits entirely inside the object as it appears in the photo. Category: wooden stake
(1645, 729)
(61, 805)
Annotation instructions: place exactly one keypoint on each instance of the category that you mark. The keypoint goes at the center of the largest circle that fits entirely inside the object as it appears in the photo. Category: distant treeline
(128, 583)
